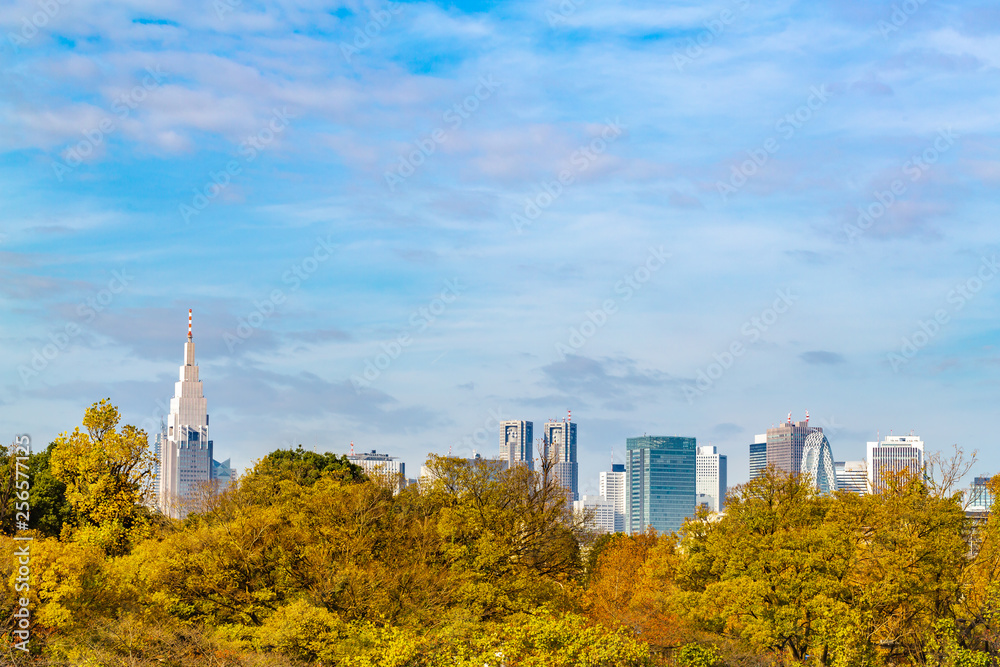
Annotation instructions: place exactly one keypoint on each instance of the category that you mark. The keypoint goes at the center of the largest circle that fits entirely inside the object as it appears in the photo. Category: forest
(307, 561)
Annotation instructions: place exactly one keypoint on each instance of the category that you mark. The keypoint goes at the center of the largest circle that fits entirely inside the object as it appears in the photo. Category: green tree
(108, 473)
(50, 509)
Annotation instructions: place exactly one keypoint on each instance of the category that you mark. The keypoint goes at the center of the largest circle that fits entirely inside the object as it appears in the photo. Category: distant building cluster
(663, 482)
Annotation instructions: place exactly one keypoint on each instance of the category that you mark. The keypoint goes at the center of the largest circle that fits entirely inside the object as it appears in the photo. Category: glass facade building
(661, 486)
(786, 442)
(758, 455)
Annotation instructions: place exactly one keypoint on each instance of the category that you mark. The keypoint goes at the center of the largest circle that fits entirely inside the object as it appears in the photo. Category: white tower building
(710, 477)
(852, 476)
(613, 490)
(894, 454)
(187, 451)
(603, 517)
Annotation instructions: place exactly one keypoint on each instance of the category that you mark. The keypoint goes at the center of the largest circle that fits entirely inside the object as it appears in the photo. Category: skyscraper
(187, 451)
(613, 490)
(817, 462)
(785, 444)
(661, 482)
(981, 496)
(758, 455)
(893, 454)
(711, 477)
(560, 447)
(515, 442)
(852, 476)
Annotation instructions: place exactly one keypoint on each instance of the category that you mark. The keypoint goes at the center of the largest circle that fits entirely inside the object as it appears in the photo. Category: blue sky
(647, 213)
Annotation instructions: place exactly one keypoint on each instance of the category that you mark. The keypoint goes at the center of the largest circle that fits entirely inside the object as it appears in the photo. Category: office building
(601, 513)
(817, 462)
(222, 473)
(892, 456)
(613, 490)
(786, 442)
(661, 482)
(186, 465)
(375, 464)
(852, 476)
(981, 496)
(515, 443)
(758, 455)
(559, 446)
(711, 477)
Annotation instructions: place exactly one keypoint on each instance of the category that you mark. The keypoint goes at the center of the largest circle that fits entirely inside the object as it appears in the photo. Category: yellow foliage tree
(108, 474)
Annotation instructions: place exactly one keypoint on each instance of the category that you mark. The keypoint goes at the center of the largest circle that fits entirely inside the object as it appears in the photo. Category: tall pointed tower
(187, 454)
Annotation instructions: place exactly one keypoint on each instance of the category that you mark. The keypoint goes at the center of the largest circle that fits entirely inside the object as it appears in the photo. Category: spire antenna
(190, 311)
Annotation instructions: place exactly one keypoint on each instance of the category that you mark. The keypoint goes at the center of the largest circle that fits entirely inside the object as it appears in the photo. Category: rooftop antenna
(789, 417)
(189, 323)
(352, 448)
(569, 415)
(807, 418)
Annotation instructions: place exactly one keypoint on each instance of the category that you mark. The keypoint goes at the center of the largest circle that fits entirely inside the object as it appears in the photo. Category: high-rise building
(602, 513)
(892, 455)
(222, 473)
(817, 462)
(186, 463)
(711, 477)
(852, 476)
(613, 490)
(758, 455)
(661, 482)
(786, 442)
(159, 447)
(981, 496)
(515, 442)
(560, 447)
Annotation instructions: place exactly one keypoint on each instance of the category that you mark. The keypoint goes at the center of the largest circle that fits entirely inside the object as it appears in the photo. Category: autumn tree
(108, 473)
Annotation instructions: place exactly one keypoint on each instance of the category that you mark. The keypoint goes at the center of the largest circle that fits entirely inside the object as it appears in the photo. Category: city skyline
(490, 210)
